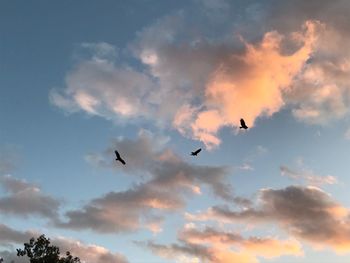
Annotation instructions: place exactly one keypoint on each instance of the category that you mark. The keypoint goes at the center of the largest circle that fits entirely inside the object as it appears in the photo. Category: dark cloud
(170, 180)
(289, 15)
(9, 235)
(25, 199)
(307, 213)
(148, 156)
(124, 211)
(139, 153)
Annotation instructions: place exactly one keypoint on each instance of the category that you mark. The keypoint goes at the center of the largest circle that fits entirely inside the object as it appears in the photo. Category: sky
(156, 80)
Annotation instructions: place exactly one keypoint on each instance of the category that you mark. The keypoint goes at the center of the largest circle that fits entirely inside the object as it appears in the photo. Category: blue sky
(157, 80)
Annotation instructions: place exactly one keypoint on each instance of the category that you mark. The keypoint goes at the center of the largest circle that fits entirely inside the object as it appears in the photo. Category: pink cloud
(251, 85)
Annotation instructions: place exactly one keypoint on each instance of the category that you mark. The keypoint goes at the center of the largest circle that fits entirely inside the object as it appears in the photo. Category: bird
(196, 152)
(243, 125)
(119, 158)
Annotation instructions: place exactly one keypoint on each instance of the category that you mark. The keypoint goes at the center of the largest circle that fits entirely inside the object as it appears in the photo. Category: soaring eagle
(243, 125)
(119, 158)
(196, 152)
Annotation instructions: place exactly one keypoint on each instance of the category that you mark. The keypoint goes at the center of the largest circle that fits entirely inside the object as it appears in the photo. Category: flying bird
(119, 158)
(243, 125)
(196, 152)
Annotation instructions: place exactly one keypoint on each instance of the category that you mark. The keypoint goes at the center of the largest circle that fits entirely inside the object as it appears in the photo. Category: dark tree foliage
(40, 251)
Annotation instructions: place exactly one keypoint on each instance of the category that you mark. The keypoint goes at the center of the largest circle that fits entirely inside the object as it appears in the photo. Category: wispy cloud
(308, 176)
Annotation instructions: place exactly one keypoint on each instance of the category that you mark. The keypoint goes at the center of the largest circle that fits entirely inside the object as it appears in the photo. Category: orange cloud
(251, 84)
(224, 256)
(187, 252)
(211, 245)
(271, 248)
(224, 240)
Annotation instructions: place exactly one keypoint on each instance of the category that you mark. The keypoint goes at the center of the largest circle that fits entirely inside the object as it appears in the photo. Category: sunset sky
(156, 80)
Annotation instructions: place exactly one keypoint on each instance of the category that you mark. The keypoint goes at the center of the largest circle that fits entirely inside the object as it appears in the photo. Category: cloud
(86, 252)
(24, 199)
(100, 51)
(264, 247)
(347, 134)
(307, 213)
(9, 235)
(248, 161)
(308, 176)
(211, 245)
(148, 156)
(235, 60)
(11, 256)
(124, 211)
(231, 76)
(246, 86)
(140, 153)
(320, 93)
(100, 87)
(195, 253)
(173, 251)
(167, 183)
(8, 159)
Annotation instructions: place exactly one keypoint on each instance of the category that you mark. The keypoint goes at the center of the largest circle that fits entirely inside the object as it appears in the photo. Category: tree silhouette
(40, 251)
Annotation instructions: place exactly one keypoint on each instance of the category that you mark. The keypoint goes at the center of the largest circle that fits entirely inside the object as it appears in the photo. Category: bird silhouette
(196, 152)
(243, 125)
(119, 158)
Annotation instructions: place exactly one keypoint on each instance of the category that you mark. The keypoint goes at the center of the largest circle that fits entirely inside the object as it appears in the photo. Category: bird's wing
(117, 154)
(242, 123)
(122, 161)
